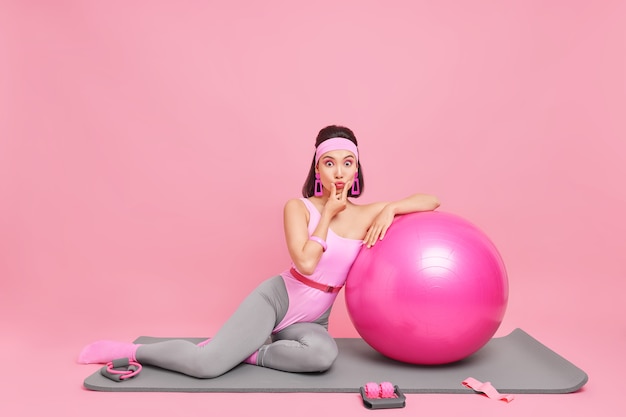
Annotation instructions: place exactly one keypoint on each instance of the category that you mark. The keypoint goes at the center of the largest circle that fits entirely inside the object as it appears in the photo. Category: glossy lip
(340, 184)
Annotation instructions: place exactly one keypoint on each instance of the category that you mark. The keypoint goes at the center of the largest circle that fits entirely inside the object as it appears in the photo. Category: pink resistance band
(335, 144)
(487, 389)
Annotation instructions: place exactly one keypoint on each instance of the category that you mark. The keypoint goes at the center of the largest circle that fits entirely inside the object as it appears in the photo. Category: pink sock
(104, 351)
(252, 358)
(204, 342)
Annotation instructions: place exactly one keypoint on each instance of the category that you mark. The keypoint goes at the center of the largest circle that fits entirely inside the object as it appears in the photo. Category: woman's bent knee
(324, 354)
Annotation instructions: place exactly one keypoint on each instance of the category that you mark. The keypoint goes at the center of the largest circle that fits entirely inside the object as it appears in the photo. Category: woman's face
(337, 167)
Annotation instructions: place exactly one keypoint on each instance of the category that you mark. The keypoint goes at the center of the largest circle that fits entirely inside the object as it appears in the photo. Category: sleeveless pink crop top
(307, 304)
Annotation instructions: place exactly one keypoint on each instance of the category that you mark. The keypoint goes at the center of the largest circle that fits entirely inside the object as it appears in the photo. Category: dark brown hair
(326, 133)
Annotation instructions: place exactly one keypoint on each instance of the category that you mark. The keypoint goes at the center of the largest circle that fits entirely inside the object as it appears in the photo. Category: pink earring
(317, 191)
(356, 186)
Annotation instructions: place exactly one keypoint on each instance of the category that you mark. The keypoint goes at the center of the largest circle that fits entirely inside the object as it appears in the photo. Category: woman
(324, 233)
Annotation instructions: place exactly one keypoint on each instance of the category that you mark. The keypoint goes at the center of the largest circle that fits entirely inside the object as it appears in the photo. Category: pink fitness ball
(434, 291)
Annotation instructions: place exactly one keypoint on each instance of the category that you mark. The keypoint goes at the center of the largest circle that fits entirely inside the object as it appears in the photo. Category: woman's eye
(348, 163)
(328, 163)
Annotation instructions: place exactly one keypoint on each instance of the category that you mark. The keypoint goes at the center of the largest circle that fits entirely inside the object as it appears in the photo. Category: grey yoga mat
(516, 364)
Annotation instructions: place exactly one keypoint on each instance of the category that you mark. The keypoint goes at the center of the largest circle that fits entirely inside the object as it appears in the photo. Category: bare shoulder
(295, 208)
(294, 204)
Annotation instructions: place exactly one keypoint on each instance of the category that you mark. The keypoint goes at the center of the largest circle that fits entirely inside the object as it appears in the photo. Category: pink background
(147, 149)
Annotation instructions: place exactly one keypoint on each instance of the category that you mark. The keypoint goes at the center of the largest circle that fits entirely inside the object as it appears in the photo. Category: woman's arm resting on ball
(411, 204)
(388, 211)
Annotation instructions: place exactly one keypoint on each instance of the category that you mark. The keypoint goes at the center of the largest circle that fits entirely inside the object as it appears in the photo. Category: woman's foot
(104, 351)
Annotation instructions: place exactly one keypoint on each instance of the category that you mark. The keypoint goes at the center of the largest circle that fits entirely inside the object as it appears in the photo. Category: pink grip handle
(382, 390)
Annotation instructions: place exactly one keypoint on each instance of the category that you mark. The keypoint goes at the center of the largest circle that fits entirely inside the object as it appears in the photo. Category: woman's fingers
(344, 192)
(372, 236)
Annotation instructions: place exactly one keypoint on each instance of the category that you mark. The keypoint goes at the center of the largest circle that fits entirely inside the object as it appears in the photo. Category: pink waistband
(314, 284)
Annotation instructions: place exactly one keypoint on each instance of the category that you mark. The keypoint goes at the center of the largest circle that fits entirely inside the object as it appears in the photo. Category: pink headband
(334, 144)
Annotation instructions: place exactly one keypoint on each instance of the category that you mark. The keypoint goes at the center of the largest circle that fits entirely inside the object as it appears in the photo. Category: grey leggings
(301, 347)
